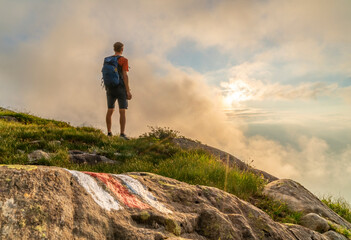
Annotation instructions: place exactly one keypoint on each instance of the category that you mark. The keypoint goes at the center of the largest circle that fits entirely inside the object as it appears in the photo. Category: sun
(236, 92)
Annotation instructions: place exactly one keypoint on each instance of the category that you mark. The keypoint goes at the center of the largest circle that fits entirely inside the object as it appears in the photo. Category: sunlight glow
(236, 92)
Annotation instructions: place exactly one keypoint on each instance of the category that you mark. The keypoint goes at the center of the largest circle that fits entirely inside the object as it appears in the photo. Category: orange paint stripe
(119, 190)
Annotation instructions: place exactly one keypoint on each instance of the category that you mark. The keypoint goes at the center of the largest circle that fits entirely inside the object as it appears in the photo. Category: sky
(268, 81)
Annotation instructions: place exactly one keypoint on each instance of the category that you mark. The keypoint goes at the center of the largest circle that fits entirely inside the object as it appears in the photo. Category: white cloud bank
(244, 86)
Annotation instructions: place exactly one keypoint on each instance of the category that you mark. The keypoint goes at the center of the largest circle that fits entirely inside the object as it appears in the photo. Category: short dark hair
(118, 46)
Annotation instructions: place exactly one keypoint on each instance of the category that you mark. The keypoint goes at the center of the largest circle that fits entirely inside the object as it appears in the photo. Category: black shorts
(118, 93)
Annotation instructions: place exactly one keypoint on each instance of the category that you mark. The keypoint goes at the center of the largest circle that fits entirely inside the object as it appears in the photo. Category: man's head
(118, 47)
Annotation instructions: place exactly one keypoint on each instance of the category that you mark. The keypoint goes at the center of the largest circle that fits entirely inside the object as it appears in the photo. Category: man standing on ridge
(121, 93)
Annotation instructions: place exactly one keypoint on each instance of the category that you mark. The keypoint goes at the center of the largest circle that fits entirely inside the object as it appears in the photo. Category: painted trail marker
(125, 195)
(122, 193)
(137, 188)
(100, 196)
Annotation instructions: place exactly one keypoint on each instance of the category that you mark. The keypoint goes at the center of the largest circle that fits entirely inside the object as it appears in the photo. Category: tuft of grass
(340, 229)
(278, 211)
(340, 206)
(199, 167)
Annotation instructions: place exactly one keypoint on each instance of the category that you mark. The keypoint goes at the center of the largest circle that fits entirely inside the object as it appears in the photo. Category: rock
(301, 232)
(223, 157)
(20, 151)
(56, 142)
(315, 222)
(159, 236)
(299, 198)
(334, 236)
(9, 118)
(157, 221)
(37, 155)
(80, 157)
(6, 110)
(39, 202)
(213, 225)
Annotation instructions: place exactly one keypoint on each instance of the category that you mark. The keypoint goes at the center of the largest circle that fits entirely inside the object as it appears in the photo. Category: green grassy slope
(152, 152)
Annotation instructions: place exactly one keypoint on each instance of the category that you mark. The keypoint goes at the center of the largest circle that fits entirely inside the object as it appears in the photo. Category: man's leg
(109, 119)
(122, 119)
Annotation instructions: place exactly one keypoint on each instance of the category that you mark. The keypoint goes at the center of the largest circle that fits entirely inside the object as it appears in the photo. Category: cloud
(258, 90)
(60, 78)
(345, 93)
(313, 163)
(245, 84)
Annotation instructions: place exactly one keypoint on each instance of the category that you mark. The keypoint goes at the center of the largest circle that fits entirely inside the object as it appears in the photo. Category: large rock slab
(38, 202)
(299, 198)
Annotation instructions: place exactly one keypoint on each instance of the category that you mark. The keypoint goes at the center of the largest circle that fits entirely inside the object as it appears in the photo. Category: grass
(30, 119)
(340, 206)
(277, 210)
(199, 167)
(340, 229)
(151, 152)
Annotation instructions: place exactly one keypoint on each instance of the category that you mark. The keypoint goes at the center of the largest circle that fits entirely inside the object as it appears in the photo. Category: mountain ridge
(46, 201)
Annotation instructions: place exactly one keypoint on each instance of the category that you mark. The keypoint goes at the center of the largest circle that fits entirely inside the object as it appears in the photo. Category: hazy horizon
(268, 81)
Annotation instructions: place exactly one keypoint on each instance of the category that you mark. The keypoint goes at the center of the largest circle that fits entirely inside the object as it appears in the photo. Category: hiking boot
(122, 135)
(109, 134)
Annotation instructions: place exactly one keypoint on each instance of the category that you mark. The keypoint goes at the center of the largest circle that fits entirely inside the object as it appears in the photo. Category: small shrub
(161, 133)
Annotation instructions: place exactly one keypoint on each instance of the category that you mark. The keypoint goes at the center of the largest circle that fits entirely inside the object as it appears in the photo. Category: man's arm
(126, 84)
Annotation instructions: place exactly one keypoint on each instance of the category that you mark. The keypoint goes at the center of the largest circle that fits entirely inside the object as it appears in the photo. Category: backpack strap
(117, 58)
(119, 69)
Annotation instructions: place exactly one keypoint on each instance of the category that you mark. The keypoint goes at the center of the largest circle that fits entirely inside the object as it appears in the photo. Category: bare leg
(122, 120)
(109, 119)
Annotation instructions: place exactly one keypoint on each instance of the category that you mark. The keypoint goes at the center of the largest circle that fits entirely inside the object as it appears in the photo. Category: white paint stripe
(137, 188)
(100, 196)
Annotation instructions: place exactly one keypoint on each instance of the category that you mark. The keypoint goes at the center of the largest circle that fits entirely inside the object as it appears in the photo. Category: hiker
(119, 91)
